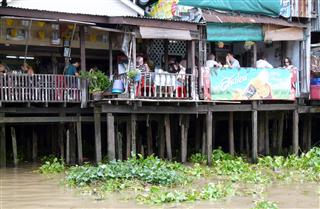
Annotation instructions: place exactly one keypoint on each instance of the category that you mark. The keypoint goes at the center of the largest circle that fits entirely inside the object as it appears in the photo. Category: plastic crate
(315, 92)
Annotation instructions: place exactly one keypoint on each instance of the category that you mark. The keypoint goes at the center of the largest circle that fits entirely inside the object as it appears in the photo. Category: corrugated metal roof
(92, 7)
(163, 19)
(219, 17)
(316, 22)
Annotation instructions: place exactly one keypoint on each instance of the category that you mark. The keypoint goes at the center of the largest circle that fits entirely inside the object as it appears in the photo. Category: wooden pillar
(111, 139)
(168, 136)
(209, 136)
(68, 146)
(261, 133)
(247, 141)
(82, 48)
(134, 51)
(149, 139)
(72, 143)
(14, 146)
(204, 138)
(295, 132)
(266, 131)
(280, 133)
(3, 158)
(231, 134)
(254, 135)
(119, 139)
(184, 137)
(198, 134)
(274, 135)
(128, 144)
(34, 145)
(161, 139)
(97, 130)
(133, 134)
(110, 56)
(254, 62)
(79, 141)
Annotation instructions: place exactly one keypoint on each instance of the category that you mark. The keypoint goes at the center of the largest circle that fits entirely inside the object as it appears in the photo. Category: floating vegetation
(52, 166)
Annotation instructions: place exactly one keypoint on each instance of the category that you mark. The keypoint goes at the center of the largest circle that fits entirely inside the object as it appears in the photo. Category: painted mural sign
(248, 84)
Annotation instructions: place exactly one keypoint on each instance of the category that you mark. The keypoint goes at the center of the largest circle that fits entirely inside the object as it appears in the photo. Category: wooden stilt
(97, 130)
(161, 139)
(3, 153)
(133, 134)
(149, 140)
(280, 133)
(274, 136)
(309, 138)
(261, 134)
(168, 136)
(198, 134)
(231, 134)
(209, 137)
(111, 139)
(79, 142)
(68, 146)
(204, 138)
(34, 145)
(119, 148)
(184, 138)
(72, 143)
(254, 135)
(128, 147)
(295, 134)
(14, 146)
(266, 131)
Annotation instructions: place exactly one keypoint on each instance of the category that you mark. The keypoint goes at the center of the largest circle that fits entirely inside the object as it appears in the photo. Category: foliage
(116, 185)
(198, 158)
(98, 81)
(263, 204)
(150, 170)
(209, 192)
(52, 166)
(132, 74)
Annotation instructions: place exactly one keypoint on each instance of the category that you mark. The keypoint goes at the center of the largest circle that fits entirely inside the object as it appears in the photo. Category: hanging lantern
(40, 24)
(220, 45)
(41, 35)
(93, 37)
(9, 22)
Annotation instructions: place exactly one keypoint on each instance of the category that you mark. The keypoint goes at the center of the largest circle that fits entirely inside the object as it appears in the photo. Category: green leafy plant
(198, 158)
(263, 204)
(98, 81)
(52, 166)
(132, 74)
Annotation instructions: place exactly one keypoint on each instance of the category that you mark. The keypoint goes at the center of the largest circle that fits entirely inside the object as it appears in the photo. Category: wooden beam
(149, 140)
(168, 135)
(266, 131)
(134, 52)
(254, 63)
(35, 145)
(72, 143)
(247, 140)
(133, 134)
(209, 136)
(82, 47)
(111, 138)
(161, 143)
(68, 146)
(254, 135)
(3, 154)
(128, 133)
(14, 146)
(97, 131)
(204, 137)
(79, 142)
(110, 56)
(231, 134)
(261, 134)
(184, 138)
(295, 132)
(280, 133)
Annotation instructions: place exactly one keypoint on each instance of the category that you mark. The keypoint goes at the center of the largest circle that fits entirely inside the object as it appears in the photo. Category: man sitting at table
(262, 62)
(231, 61)
(211, 61)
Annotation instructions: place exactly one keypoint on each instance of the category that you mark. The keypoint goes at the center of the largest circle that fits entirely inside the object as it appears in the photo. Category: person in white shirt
(231, 61)
(263, 63)
(211, 62)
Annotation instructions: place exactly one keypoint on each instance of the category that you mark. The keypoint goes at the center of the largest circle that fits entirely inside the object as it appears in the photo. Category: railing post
(84, 92)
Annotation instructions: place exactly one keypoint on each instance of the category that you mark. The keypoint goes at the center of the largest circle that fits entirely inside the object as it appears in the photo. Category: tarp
(248, 84)
(265, 7)
(234, 32)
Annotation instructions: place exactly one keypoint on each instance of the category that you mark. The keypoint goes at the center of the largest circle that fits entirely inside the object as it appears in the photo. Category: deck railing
(40, 88)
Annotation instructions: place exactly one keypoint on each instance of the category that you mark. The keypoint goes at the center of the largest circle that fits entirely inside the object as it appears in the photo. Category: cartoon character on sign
(259, 88)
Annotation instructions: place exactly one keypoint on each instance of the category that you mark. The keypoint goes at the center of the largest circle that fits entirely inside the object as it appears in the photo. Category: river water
(23, 188)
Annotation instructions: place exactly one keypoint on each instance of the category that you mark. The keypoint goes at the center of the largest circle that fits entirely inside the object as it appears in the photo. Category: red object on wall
(315, 92)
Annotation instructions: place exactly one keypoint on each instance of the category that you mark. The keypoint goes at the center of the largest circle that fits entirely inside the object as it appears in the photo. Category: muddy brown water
(23, 188)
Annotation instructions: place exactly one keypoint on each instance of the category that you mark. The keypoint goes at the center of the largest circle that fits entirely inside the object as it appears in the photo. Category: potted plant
(98, 82)
(133, 76)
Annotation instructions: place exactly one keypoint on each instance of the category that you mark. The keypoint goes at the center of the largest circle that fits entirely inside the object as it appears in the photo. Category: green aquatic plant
(52, 166)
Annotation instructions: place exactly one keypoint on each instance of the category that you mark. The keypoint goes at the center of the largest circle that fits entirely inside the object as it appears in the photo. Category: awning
(234, 32)
(162, 33)
(283, 34)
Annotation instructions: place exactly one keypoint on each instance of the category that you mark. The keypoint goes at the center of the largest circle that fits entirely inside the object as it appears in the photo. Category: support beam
(110, 56)
(231, 134)
(247, 141)
(61, 140)
(168, 136)
(266, 132)
(3, 158)
(280, 133)
(184, 137)
(68, 146)
(111, 139)
(97, 131)
(133, 134)
(72, 132)
(14, 146)
(34, 145)
(79, 142)
(209, 136)
(295, 132)
(254, 135)
(128, 144)
(261, 134)
(161, 134)
(198, 134)
(119, 139)
(82, 48)
(204, 138)
(149, 140)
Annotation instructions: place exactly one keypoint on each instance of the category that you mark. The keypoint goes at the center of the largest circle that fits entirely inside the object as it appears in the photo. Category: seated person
(72, 68)
(3, 68)
(143, 67)
(27, 69)
(262, 62)
(211, 62)
(232, 62)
